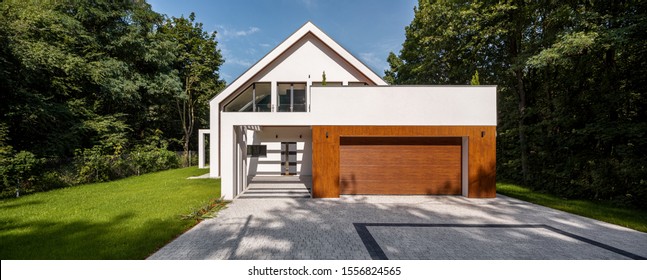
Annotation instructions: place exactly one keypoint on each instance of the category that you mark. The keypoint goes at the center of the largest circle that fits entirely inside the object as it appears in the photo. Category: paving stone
(287, 228)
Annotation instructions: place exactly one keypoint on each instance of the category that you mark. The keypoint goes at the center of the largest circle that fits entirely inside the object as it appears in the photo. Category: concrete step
(274, 195)
(278, 187)
(257, 191)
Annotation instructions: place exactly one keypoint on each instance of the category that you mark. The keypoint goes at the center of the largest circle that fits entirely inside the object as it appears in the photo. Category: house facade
(350, 132)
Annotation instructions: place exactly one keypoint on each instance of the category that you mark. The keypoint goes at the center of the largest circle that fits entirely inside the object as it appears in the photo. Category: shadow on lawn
(82, 239)
(13, 204)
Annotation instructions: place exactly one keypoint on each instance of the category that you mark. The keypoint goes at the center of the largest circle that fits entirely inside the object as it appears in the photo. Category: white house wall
(466, 105)
(306, 60)
(406, 106)
(272, 138)
(303, 62)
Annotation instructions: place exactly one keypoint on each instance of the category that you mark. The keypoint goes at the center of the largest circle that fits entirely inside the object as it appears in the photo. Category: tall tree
(571, 91)
(68, 64)
(198, 61)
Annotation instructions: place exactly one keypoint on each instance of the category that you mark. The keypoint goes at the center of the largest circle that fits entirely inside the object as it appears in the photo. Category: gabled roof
(307, 28)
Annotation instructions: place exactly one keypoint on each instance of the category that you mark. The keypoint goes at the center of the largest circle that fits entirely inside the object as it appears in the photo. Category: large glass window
(291, 97)
(255, 98)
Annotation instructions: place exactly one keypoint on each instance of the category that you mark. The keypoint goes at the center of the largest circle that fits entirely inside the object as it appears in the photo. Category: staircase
(265, 187)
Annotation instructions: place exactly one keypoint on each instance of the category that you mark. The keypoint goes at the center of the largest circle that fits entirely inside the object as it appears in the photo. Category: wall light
(482, 134)
(326, 134)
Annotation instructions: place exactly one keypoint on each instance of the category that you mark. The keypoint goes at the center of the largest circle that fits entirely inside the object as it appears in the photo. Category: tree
(198, 62)
(390, 76)
(571, 91)
(66, 62)
(80, 78)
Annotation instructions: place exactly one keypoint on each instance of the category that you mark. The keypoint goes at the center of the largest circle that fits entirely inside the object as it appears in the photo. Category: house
(353, 134)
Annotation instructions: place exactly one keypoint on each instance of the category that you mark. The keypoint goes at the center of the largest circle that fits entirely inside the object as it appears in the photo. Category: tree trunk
(186, 158)
(187, 117)
(523, 142)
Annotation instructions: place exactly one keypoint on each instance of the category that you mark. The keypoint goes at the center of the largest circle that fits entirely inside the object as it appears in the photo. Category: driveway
(402, 227)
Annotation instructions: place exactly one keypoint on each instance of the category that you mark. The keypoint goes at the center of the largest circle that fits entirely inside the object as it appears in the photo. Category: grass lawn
(631, 218)
(124, 219)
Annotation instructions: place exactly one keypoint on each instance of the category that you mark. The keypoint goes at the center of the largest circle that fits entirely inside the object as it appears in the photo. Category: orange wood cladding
(326, 153)
(404, 168)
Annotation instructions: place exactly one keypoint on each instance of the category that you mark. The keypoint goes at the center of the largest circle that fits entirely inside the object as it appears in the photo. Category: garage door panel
(408, 155)
(400, 188)
(395, 166)
(392, 172)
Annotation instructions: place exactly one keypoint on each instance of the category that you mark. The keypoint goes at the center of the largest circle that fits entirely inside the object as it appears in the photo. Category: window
(257, 150)
(255, 98)
(291, 97)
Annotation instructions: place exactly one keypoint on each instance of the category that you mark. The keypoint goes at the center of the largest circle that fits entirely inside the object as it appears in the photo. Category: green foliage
(19, 172)
(390, 76)
(207, 210)
(153, 156)
(198, 60)
(97, 166)
(86, 84)
(323, 78)
(571, 91)
(475, 79)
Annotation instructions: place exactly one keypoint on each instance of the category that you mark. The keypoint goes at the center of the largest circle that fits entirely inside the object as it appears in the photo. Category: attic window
(255, 98)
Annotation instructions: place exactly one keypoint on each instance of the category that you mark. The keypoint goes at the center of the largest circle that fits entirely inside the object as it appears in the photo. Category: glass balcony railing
(291, 97)
(295, 108)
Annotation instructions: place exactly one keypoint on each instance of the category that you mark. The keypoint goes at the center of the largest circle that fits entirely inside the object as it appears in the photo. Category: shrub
(145, 159)
(19, 172)
(96, 166)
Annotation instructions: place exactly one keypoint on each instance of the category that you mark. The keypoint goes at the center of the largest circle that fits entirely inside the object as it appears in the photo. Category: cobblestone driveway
(401, 227)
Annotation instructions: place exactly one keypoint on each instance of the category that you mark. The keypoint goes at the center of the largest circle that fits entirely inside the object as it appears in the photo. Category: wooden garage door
(400, 165)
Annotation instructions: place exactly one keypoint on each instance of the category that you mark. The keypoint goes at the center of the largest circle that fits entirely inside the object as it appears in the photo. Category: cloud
(247, 32)
(265, 45)
(230, 58)
(226, 32)
(373, 61)
(238, 61)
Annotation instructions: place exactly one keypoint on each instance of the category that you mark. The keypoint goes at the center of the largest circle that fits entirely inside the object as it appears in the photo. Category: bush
(145, 159)
(95, 166)
(19, 173)
(23, 172)
(52, 180)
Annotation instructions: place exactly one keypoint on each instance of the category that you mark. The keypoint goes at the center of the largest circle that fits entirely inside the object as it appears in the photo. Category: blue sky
(249, 29)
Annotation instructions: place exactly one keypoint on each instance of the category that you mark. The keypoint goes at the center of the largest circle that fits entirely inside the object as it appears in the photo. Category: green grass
(631, 218)
(125, 219)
